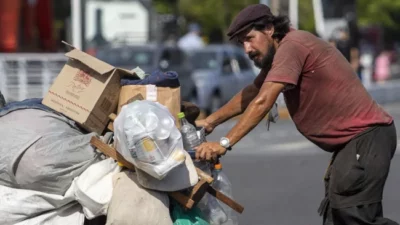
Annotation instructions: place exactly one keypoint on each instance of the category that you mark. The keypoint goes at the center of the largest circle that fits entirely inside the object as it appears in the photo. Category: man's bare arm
(256, 111)
(236, 106)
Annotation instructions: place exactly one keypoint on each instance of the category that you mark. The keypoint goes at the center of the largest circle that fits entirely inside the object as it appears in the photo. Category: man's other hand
(209, 151)
(207, 126)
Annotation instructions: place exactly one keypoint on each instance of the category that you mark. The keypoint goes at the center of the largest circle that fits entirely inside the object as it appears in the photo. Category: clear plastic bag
(146, 135)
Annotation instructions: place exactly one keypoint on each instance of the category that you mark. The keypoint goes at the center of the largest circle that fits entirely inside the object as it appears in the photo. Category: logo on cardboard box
(80, 82)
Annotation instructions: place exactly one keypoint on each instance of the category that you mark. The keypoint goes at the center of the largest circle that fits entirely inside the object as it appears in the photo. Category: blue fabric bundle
(157, 78)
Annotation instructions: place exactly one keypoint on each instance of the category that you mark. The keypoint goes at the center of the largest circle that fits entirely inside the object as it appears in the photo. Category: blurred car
(150, 57)
(219, 72)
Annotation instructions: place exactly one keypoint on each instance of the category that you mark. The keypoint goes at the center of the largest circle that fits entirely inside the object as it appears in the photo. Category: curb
(284, 114)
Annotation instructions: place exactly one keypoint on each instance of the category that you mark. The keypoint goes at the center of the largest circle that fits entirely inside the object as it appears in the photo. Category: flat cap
(245, 18)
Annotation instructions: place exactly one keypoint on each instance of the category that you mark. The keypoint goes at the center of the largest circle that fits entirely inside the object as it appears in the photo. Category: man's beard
(266, 61)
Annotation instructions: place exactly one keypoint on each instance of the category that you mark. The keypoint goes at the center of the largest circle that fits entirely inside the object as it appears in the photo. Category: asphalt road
(277, 175)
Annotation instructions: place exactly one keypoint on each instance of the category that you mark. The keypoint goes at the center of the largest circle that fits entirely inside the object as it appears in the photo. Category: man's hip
(358, 172)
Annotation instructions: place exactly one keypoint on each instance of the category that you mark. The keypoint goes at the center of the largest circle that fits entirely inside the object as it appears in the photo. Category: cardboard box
(86, 90)
(169, 97)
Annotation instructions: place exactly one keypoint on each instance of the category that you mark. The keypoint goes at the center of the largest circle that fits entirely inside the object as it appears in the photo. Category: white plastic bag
(93, 188)
(179, 178)
(42, 151)
(28, 207)
(146, 135)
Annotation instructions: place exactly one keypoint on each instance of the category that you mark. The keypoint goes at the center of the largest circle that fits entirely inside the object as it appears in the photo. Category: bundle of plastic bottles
(214, 211)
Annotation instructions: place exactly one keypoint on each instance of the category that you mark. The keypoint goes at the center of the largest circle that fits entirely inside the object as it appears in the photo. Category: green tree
(306, 16)
(164, 7)
(382, 12)
(213, 15)
(217, 14)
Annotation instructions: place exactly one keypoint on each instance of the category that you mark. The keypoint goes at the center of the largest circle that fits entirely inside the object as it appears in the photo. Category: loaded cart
(107, 142)
(196, 193)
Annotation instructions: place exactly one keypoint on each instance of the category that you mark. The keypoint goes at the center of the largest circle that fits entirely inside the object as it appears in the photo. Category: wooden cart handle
(188, 202)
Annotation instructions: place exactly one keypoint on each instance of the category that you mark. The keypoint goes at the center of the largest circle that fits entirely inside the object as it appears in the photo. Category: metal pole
(23, 79)
(265, 2)
(294, 13)
(76, 23)
(3, 79)
(273, 5)
(319, 18)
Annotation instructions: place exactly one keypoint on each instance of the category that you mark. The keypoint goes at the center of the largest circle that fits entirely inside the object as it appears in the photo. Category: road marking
(293, 146)
(304, 146)
(398, 147)
(249, 147)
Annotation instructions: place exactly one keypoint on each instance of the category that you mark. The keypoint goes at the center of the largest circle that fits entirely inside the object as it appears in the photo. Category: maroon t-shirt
(325, 98)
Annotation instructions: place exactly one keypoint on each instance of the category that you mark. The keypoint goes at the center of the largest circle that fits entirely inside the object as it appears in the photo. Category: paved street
(277, 175)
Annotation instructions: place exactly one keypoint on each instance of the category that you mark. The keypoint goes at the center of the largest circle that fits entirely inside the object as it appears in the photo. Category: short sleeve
(259, 80)
(288, 63)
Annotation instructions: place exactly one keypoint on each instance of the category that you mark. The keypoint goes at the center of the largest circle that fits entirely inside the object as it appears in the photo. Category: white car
(220, 71)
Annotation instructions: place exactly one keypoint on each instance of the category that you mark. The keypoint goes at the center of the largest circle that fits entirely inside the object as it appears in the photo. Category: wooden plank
(184, 200)
(199, 190)
(225, 199)
(110, 126)
(111, 152)
(204, 175)
(112, 116)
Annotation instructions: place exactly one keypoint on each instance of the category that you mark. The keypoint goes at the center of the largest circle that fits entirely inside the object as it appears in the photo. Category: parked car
(150, 57)
(220, 71)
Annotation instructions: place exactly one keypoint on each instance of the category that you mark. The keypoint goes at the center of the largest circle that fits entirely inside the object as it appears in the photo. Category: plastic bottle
(222, 184)
(140, 144)
(147, 150)
(189, 134)
(217, 215)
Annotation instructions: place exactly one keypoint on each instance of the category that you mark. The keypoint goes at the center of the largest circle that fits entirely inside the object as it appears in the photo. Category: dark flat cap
(247, 17)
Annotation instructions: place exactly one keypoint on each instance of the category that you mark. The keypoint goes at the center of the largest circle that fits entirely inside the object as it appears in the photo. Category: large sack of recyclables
(41, 153)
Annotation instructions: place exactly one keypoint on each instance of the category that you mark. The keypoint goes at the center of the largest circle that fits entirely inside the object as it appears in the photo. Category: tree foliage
(212, 15)
(379, 12)
(306, 16)
(217, 14)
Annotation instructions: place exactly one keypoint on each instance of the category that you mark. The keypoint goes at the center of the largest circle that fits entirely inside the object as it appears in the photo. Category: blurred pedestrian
(343, 43)
(328, 104)
(192, 40)
(382, 65)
